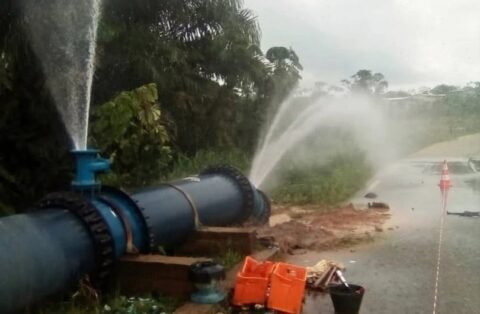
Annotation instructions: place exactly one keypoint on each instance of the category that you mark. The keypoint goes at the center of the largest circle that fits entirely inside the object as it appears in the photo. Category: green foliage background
(169, 99)
(162, 93)
(131, 133)
(181, 85)
(329, 183)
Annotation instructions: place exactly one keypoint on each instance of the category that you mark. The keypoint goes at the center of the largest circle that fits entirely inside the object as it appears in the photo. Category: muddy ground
(296, 229)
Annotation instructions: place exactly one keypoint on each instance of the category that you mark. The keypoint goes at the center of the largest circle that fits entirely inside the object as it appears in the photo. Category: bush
(137, 305)
(330, 183)
(130, 132)
(185, 166)
(117, 304)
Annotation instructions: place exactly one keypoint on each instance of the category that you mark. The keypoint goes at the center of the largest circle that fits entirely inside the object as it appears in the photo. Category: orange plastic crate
(252, 282)
(287, 288)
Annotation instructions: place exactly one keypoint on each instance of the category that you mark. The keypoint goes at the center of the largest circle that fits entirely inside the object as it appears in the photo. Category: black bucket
(347, 301)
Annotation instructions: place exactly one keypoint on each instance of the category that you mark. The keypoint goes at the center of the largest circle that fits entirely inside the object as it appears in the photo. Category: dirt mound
(317, 229)
(350, 218)
(295, 235)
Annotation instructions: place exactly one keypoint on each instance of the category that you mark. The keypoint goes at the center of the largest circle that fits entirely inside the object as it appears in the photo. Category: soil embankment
(296, 229)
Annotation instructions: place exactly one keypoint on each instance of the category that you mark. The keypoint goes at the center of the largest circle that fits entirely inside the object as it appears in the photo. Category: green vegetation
(364, 81)
(137, 305)
(181, 85)
(165, 96)
(178, 99)
(187, 165)
(229, 259)
(330, 183)
(443, 113)
(129, 129)
(113, 305)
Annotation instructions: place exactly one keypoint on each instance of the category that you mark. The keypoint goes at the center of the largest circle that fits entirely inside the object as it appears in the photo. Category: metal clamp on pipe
(196, 218)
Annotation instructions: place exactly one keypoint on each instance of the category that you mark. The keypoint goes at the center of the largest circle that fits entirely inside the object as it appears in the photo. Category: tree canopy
(443, 89)
(213, 87)
(365, 81)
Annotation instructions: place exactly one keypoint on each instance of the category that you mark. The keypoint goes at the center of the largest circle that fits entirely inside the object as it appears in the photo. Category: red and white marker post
(445, 184)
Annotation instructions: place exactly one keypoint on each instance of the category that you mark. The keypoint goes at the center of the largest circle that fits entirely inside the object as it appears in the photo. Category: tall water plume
(315, 132)
(63, 36)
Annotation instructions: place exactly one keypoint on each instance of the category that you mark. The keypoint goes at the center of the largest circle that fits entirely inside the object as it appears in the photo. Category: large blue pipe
(41, 253)
(218, 197)
(77, 233)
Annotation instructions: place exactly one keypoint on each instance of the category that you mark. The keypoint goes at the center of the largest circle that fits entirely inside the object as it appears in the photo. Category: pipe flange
(152, 248)
(242, 181)
(83, 209)
(126, 197)
(134, 204)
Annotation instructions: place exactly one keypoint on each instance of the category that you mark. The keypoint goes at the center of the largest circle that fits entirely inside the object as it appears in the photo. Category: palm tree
(202, 54)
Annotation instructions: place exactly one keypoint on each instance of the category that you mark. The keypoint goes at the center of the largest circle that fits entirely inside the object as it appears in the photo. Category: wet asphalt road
(398, 270)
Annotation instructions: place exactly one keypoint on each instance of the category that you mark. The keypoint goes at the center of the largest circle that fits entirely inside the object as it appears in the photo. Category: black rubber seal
(83, 209)
(243, 183)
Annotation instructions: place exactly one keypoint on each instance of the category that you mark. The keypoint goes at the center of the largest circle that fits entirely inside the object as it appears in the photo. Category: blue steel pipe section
(220, 196)
(41, 253)
(84, 232)
(67, 237)
(133, 220)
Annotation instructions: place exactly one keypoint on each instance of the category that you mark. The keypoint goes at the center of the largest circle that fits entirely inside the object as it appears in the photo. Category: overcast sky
(412, 42)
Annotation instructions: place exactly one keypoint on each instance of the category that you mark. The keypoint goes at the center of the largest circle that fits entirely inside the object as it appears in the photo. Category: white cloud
(412, 42)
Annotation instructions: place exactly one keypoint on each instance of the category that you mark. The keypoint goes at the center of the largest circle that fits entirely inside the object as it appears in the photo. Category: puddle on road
(473, 184)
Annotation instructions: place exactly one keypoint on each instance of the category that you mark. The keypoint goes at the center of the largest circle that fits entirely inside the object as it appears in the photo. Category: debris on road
(378, 205)
(342, 279)
(465, 214)
(321, 275)
(371, 195)
(321, 267)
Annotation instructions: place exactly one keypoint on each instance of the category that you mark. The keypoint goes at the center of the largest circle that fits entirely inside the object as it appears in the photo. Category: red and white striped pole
(445, 184)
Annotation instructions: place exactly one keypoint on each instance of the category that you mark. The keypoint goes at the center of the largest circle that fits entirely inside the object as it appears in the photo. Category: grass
(138, 305)
(186, 166)
(229, 259)
(343, 175)
(115, 304)
(328, 184)
(419, 132)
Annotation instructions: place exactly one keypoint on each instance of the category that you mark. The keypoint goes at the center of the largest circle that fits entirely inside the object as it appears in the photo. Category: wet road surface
(399, 269)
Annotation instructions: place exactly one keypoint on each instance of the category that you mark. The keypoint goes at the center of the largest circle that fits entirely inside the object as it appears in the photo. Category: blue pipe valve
(88, 165)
